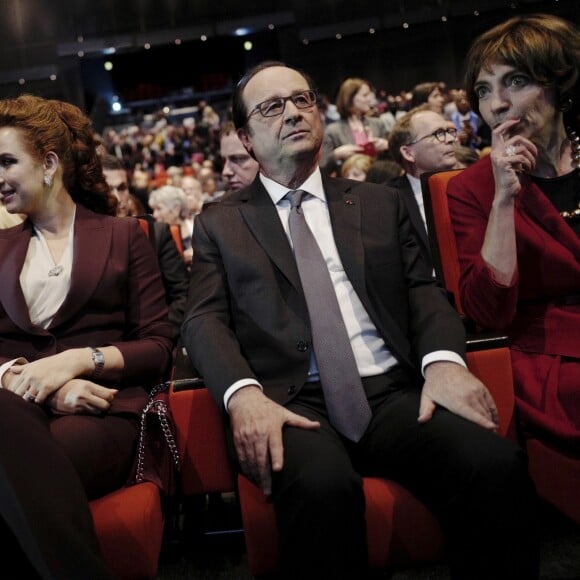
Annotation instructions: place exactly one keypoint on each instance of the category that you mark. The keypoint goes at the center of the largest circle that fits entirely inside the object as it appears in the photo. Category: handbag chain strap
(161, 409)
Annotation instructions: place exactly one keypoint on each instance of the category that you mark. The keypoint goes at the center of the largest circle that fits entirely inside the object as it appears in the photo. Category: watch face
(98, 357)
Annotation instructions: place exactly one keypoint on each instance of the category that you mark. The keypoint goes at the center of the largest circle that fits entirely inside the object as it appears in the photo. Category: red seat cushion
(129, 525)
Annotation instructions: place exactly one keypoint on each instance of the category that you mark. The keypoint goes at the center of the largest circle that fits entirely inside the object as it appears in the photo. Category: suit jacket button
(302, 345)
(291, 390)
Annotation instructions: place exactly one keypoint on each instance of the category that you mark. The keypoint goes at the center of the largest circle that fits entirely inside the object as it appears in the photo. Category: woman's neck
(54, 220)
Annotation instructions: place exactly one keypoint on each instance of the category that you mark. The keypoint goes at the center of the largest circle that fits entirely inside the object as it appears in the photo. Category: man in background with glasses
(420, 418)
(421, 141)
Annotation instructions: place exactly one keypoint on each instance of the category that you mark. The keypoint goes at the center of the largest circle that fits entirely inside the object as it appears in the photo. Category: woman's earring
(48, 181)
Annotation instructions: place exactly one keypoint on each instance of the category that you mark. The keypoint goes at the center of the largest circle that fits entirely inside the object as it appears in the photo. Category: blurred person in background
(356, 167)
(170, 205)
(239, 167)
(357, 131)
(421, 141)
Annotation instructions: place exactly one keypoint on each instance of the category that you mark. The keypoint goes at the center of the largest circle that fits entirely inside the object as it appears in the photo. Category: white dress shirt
(371, 353)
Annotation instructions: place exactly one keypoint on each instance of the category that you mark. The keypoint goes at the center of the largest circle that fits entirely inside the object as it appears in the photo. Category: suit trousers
(43, 502)
(473, 480)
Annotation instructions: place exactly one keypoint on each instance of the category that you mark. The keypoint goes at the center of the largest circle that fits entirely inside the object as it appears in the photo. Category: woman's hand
(39, 379)
(510, 156)
(380, 144)
(345, 151)
(81, 396)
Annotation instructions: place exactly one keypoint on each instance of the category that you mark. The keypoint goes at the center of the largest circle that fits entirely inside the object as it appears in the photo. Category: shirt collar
(313, 185)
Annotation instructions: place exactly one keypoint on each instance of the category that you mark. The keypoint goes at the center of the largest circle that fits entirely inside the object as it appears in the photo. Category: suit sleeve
(210, 342)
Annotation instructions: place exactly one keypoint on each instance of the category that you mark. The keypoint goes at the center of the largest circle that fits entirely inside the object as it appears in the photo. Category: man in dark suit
(173, 270)
(421, 141)
(249, 333)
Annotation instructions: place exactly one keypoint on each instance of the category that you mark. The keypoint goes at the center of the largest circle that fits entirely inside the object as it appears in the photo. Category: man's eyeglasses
(275, 107)
(440, 135)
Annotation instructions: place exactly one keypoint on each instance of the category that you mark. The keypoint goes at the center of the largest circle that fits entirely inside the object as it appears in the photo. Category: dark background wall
(68, 39)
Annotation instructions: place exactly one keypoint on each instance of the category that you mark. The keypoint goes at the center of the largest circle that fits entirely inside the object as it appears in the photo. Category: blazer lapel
(92, 237)
(261, 216)
(13, 247)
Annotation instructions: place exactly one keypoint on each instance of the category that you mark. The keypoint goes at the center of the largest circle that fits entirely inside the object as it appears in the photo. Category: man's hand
(257, 424)
(81, 396)
(452, 386)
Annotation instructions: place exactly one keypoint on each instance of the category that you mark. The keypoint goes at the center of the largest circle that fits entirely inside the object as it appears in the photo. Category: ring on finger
(29, 397)
(510, 151)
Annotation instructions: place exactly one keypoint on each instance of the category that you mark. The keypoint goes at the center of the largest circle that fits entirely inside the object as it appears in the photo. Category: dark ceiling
(36, 33)
(59, 39)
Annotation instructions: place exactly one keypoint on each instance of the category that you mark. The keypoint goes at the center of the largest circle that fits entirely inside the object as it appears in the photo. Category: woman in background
(357, 131)
(516, 215)
(84, 334)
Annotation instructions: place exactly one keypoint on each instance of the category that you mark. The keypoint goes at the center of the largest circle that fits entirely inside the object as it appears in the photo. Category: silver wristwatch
(99, 361)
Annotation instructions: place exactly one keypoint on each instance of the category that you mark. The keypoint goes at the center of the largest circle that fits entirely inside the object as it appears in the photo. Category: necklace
(575, 145)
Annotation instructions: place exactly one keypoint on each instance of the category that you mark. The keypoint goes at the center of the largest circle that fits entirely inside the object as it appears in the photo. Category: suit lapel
(261, 217)
(403, 185)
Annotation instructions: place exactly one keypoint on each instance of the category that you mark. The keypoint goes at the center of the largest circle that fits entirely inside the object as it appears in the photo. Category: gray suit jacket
(247, 315)
(339, 133)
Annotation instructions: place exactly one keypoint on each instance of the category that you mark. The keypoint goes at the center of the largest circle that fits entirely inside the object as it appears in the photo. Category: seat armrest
(485, 340)
(188, 384)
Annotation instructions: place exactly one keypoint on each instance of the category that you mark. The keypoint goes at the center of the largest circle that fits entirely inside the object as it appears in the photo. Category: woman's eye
(480, 92)
(519, 80)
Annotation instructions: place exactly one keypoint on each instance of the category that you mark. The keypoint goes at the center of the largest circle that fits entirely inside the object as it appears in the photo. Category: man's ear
(407, 154)
(243, 137)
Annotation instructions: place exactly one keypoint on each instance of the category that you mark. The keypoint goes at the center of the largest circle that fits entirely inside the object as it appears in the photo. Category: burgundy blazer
(536, 311)
(116, 298)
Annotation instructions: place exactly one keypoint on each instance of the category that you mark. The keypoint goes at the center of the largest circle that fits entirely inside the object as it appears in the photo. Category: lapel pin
(349, 202)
